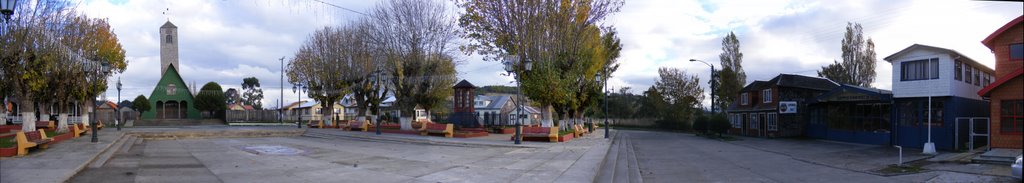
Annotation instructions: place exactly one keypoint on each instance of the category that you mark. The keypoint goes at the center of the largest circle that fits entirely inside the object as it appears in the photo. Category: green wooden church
(171, 97)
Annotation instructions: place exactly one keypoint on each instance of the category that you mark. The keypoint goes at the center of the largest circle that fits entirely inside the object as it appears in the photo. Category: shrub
(700, 124)
(719, 124)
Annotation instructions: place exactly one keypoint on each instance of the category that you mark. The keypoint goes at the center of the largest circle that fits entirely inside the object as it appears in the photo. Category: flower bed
(469, 134)
(8, 147)
(565, 136)
(9, 128)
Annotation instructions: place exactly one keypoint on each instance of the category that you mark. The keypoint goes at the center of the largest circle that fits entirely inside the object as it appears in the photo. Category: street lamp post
(712, 82)
(604, 84)
(117, 122)
(102, 70)
(511, 62)
(7, 8)
(377, 77)
(298, 88)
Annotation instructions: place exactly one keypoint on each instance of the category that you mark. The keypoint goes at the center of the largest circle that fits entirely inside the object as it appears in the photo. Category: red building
(463, 114)
(1007, 92)
(757, 112)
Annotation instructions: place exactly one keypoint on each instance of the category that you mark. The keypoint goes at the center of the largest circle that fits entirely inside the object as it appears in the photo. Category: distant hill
(496, 89)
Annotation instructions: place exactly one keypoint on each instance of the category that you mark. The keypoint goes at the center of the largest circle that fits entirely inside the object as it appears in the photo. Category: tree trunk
(86, 112)
(28, 117)
(62, 119)
(545, 113)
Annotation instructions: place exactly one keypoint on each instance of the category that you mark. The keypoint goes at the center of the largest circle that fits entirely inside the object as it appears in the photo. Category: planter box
(63, 137)
(469, 134)
(8, 152)
(566, 137)
(507, 131)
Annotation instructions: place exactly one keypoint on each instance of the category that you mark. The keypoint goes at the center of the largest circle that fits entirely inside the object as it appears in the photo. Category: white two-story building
(950, 79)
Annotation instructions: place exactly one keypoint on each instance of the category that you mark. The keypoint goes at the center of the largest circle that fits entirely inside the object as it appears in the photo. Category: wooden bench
(32, 139)
(315, 124)
(448, 130)
(357, 125)
(49, 125)
(577, 130)
(77, 130)
(551, 133)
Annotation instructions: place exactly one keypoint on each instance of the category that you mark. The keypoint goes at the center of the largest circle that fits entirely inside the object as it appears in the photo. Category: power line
(340, 7)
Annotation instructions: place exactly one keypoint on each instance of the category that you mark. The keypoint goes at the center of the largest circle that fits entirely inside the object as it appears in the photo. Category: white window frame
(766, 95)
(744, 98)
(736, 120)
(773, 124)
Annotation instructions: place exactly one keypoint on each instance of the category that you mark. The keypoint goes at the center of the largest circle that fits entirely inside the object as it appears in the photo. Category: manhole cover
(272, 150)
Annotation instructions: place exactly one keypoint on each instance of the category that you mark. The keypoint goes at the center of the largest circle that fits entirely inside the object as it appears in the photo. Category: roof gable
(464, 84)
(168, 25)
(160, 91)
(992, 37)
(952, 53)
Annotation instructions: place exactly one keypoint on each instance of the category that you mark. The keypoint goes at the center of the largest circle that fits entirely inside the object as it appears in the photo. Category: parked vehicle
(1016, 167)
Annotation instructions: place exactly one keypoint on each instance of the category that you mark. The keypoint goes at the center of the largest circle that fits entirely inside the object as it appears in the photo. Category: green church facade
(171, 99)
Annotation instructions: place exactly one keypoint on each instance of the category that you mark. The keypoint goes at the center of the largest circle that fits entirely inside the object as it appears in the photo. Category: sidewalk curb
(81, 167)
(589, 164)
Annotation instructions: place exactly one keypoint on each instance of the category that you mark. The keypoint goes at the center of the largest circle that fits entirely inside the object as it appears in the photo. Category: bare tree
(416, 39)
(322, 65)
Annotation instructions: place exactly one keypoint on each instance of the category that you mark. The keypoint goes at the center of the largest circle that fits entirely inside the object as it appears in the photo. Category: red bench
(549, 133)
(357, 125)
(45, 125)
(31, 139)
(448, 130)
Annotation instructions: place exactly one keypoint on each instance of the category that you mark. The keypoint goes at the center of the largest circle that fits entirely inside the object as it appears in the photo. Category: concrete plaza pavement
(59, 162)
(331, 155)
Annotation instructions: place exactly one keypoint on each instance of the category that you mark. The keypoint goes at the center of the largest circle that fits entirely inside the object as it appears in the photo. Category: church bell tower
(168, 47)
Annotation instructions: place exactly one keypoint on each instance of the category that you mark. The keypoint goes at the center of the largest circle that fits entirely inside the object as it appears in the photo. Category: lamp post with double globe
(298, 88)
(101, 71)
(511, 62)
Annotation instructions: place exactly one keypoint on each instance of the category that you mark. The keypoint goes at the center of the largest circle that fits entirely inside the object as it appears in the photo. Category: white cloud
(224, 41)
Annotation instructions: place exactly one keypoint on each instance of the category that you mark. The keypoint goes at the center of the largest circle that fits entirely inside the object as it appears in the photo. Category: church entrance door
(171, 110)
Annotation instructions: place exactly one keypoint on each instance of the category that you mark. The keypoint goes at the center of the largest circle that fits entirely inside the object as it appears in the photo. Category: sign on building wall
(787, 107)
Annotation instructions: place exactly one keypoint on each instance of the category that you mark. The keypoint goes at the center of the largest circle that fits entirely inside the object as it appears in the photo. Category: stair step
(108, 153)
(990, 160)
(127, 145)
(634, 166)
(622, 162)
(608, 167)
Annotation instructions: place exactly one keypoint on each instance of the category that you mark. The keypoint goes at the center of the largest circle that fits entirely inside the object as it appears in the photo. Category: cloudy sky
(225, 41)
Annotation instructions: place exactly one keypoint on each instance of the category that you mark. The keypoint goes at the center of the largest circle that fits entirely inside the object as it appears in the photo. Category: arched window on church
(168, 39)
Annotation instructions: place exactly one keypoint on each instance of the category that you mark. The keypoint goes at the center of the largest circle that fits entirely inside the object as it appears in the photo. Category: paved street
(679, 157)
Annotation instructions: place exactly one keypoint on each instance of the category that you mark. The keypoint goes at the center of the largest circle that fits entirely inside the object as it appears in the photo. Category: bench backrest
(355, 123)
(42, 123)
(437, 126)
(536, 130)
(32, 136)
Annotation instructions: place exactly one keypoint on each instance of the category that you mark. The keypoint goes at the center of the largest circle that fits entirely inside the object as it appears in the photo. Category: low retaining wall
(150, 135)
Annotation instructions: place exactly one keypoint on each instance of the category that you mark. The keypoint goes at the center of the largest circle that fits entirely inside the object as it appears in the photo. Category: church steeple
(168, 47)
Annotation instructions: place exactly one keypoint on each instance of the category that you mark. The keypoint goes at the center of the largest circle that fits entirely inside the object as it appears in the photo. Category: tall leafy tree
(548, 32)
(681, 90)
(858, 65)
(324, 66)
(253, 94)
(731, 76)
(140, 104)
(231, 96)
(211, 98)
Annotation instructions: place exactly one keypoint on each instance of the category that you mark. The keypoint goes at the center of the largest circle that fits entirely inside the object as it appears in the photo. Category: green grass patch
(565, 132)
(7, 142)
(905, 169)
(52, 134)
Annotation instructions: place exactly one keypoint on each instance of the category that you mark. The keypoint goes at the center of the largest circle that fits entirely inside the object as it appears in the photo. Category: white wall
(945, 85)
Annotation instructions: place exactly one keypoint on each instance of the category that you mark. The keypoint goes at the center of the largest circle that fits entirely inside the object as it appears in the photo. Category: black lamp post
(511, 62)
(7, 8)
(377, 77)
(604, 84)
(102, 71)
(117, 122)
(296, 88)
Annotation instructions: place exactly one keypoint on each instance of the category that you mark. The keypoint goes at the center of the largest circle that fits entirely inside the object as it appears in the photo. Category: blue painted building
(951, 80)
(852, 113)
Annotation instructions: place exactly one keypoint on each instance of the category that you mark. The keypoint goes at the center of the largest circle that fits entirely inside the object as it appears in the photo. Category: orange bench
(357, 125)
(448, 130)
(31, 139)
(79, 129)
(551, 133)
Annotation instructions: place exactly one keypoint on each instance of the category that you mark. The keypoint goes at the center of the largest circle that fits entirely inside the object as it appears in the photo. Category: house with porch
(946, 80)
(1006, 93)
(777, 107)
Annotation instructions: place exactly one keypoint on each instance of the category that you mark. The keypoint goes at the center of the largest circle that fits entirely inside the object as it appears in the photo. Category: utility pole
(280, 102)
